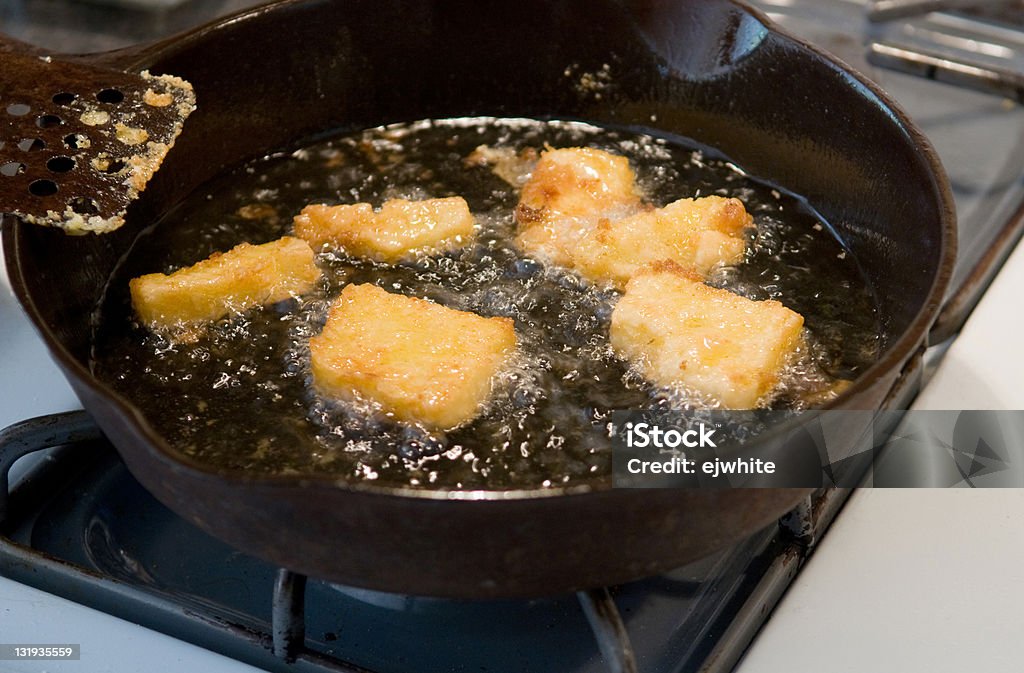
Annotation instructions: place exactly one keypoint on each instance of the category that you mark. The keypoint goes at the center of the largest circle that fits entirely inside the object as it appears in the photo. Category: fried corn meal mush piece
(581, 209)
(420, 361)
(242, 278)
(680, 332)
(697, 234)
(567, 192)
(397, 231)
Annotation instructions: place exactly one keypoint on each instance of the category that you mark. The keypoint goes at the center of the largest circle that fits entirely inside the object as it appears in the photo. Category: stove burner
(78, 525)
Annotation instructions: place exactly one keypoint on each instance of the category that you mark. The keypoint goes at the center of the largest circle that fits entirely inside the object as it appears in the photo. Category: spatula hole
(110, 96)
(60, 164)
(64, 98)
(18, 109)
(31, 144)
(74, 141)
(48, 121)
(43, 187)
(83, 206)
(114, 166)
(12, 168)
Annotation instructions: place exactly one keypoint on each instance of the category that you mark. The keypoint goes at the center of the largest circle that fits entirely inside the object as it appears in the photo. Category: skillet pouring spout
(714, 71)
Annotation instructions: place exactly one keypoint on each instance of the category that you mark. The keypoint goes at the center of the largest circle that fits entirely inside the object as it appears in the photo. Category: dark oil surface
(239, 396)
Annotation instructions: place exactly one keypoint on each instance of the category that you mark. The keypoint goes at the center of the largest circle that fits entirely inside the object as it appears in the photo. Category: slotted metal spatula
(78, 143)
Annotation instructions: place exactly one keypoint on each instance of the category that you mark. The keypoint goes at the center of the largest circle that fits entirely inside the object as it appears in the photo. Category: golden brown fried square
(232, 282)
(420, 361)
(679, 331)
(397, 231)
(581, 209)
(698, 234)
(568, 191)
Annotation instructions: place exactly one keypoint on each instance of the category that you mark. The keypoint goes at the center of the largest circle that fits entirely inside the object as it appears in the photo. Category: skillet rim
(895, 357)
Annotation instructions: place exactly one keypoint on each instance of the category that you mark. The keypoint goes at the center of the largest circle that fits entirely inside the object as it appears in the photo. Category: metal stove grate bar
(36, 434)
(889, 10)
(980, 47)
(612, 637)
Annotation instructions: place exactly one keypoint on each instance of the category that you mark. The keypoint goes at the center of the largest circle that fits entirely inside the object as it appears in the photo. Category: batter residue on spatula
(79, 143)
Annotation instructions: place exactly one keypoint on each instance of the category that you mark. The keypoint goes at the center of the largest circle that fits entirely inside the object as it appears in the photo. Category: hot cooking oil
(240, 397)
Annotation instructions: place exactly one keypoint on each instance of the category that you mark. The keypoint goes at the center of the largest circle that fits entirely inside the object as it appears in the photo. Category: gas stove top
(79, 527)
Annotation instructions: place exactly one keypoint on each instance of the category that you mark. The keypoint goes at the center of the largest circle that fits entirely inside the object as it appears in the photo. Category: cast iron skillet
(711, 70)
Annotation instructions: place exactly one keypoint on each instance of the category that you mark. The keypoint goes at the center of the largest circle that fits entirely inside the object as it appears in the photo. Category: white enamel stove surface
(911, 580)
(922, 580)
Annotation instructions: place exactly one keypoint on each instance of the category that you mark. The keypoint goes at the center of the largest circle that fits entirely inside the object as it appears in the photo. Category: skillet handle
(126, 59)
(132, 58)
(9, 45)
(117, 59)
(136, 57)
